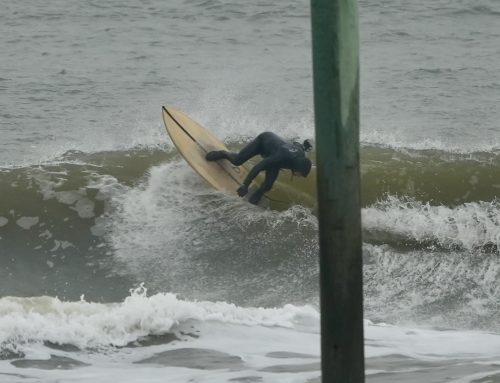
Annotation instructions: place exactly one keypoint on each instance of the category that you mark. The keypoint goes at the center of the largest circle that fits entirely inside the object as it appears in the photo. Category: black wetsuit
(277, 153)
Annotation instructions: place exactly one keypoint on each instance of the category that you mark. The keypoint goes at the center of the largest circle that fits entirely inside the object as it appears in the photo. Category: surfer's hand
(242, 190)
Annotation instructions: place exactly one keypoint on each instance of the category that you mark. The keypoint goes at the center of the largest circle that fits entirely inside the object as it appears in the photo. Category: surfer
(277, 154)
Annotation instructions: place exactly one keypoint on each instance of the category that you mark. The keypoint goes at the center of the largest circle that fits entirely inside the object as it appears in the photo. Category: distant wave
(477, 10)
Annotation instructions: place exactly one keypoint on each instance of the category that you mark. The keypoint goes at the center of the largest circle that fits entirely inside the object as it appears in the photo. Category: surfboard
(193, 142)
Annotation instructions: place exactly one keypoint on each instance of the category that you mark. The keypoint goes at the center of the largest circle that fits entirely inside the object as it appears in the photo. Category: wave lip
(467, 227)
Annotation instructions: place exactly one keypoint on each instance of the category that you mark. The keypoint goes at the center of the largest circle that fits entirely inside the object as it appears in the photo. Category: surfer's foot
(215, 155)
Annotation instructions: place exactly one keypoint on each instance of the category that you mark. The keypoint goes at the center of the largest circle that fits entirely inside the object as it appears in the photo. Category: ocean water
(118, 263)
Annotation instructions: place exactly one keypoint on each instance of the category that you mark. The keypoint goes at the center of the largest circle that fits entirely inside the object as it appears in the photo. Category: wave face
(98, 223)
(434, 176)
(95, 224)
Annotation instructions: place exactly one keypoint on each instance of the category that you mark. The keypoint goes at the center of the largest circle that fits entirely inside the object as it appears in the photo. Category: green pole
(335, 44)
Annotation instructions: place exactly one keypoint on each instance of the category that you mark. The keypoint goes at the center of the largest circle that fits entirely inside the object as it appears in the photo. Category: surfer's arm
(271, 175)
(265, 164)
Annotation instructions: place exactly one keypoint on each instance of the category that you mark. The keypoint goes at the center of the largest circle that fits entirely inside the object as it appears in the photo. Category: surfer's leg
(249, 151)
(217, 155)
(223, 155)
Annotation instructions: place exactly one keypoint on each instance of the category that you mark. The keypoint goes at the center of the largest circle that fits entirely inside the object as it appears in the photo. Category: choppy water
(95, 200)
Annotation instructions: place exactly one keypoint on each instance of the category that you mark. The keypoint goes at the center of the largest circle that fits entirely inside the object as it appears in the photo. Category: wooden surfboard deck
(193, 142)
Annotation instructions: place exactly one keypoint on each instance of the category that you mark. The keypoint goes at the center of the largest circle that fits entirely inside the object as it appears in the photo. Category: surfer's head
(301, 166)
